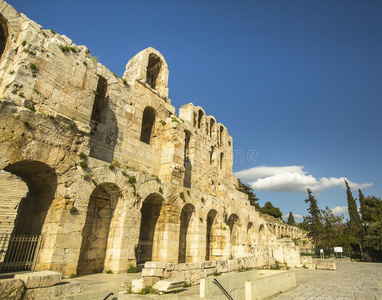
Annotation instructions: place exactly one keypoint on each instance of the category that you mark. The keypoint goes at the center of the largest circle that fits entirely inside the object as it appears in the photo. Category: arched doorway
(234, 228)
(95, 233)
(148, 237)
(28, 207)
(211, 238)
(186, 219)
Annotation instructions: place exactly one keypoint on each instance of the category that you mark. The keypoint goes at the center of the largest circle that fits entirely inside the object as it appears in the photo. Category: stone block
(221, 266)
(138, 284)
(232, 265)
(58, 290)
(155, 265)
(39, 279)
(168, 285)
(11, 289)
(170, 267)
(152, 272)
(325, 265)
(209, 264)
(208, 272)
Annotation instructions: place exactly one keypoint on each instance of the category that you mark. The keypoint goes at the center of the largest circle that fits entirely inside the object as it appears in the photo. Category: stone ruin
(108, 174)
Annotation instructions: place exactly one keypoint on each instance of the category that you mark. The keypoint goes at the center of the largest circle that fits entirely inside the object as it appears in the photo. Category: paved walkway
(350, 281)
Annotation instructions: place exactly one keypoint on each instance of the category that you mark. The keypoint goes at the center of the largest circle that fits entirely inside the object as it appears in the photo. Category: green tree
(247, 189)
(314, 219)
(373, 239)
(371, 209)
(269, 209)
(333, 229)
(291, 220)
(355, 229)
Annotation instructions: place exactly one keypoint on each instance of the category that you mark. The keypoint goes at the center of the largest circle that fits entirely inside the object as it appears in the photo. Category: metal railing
(222, 289)
(18, 252)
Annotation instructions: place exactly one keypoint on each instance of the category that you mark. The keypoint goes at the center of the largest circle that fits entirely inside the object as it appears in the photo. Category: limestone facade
(115, 176)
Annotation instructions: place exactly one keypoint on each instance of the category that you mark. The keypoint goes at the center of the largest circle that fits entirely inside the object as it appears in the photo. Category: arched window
(148, 120)
(212, 128)
(221, 160)
(221, 135)
(101, 101)
(200, 119)
(153, 70)
(211, 155)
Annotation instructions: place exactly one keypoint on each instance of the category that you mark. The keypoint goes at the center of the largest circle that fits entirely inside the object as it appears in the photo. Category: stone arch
(99, 228)
(148, 119)
(211, 235)
(34, 207)
(149, 67)
(149, 237)
(3, 35)
(187, 220)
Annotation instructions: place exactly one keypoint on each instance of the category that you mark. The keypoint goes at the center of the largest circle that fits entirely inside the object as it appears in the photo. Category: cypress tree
(355, 225)
(314, 220)
(291, 220)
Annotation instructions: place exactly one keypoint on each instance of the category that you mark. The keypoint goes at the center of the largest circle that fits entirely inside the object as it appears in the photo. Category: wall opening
(148, 238)
(234, 230)
(33, 208)
(187, 160)
(3, 35)
(221, 161)
(200, 119)
(148, 120)
(212, 128)
(153, 70)
(186, 216)
(221, 135)
(101, 101)
(251, 234)
(212, 155)
(95, 233)
(211, 238)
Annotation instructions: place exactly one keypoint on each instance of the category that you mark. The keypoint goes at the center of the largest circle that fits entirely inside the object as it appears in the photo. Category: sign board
(338, 250)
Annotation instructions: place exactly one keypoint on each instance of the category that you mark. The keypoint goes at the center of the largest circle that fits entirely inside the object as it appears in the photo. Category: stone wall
(115, 176)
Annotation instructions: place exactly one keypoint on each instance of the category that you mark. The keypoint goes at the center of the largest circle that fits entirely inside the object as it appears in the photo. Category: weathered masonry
(105, 170)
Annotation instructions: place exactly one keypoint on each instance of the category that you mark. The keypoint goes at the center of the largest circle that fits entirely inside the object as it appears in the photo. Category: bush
(132, 269)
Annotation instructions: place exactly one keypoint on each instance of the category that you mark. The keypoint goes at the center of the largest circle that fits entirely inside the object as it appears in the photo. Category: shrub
(132, 269)
(64, 48)
(83, 164)
(132, 180)
(32, 66)
(73, 210)
(83, 156)
(109, 272)
(181, 195)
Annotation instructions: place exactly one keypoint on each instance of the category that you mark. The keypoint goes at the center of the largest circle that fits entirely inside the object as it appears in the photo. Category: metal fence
(18, 252)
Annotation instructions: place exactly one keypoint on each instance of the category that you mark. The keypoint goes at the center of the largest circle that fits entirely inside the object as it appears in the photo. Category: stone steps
(12, 190)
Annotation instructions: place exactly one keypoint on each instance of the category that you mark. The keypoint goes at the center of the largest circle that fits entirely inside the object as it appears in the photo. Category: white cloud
(339, 209)
(291, 179)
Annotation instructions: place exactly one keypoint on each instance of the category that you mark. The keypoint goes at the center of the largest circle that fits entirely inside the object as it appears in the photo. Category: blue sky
(297, 83)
